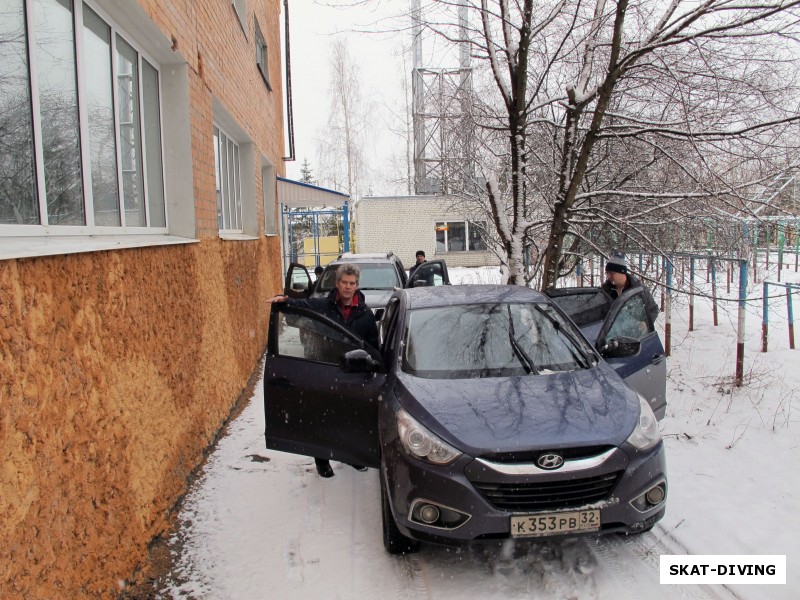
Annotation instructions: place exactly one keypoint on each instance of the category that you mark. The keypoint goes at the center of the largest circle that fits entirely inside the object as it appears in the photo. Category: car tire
(393, 540)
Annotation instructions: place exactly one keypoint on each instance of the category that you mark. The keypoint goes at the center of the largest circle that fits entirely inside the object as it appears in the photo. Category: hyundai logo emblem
(550, 461)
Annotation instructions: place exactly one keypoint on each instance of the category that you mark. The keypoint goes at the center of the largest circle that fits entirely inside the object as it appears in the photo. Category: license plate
(557, 523)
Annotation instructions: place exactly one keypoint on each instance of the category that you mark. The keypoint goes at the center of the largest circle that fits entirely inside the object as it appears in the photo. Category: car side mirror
(620, 347)
(359, 361)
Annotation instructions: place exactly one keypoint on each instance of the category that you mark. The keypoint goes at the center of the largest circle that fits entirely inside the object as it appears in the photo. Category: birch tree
(615, 121)
(343, 143)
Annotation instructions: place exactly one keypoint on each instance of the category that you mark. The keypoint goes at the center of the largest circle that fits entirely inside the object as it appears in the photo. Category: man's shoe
(359, 467)
(323, 468)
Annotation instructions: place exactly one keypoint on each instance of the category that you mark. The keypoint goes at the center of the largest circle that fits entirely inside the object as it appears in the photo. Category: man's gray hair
(348, 269)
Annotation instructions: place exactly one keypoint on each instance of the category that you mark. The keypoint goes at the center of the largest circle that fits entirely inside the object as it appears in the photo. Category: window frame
(468, 225)
(232, 151)
(240, 8)
(44, 230)
(262, 54)
(269, 193)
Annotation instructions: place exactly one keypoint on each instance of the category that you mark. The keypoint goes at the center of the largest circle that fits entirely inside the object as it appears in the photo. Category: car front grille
(548, 495)
(530, 456)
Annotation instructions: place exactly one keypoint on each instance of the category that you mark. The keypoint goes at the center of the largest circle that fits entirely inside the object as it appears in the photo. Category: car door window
(428, 274)
(631, 321)
(582, 305)
(302, 336)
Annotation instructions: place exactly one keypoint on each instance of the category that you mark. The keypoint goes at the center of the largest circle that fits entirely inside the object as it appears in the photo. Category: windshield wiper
(579, 357)
(523, 357)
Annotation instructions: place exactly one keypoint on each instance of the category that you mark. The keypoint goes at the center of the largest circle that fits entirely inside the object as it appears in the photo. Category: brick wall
(405, 224)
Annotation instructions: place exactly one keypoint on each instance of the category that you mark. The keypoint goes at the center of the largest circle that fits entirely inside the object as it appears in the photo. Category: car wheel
(393, 540)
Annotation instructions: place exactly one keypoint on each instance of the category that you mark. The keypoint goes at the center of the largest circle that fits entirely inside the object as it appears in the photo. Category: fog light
(429, 514)
(655, 495)
(652, 497)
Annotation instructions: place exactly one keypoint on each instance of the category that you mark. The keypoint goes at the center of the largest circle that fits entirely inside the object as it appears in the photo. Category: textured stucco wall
(116, 370)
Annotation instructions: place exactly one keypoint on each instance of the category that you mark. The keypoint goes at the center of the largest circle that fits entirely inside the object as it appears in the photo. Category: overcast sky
(314, 24)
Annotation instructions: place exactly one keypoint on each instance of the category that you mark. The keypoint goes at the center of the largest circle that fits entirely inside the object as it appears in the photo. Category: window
(240, 6)
(459, 236)
(80, 125)
(229, 189)
(631, 321)
(302, 335)
(262, 55)
(491, 340)
(268, 189)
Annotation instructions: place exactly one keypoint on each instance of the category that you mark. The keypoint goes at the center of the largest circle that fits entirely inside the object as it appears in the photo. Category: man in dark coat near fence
(347, 306)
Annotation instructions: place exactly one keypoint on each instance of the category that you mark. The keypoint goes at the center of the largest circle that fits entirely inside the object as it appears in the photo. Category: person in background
(347, 306)
(420, 259)
(619, 280)
(318, 271)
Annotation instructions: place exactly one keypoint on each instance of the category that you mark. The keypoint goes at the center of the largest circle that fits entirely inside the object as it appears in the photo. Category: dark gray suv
(487, 412)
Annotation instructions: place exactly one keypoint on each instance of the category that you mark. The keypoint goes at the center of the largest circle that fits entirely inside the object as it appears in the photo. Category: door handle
(657, 358)
(282, 382)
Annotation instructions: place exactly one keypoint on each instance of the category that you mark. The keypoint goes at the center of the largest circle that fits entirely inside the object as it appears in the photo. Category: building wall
(405, 224)
(118, 367)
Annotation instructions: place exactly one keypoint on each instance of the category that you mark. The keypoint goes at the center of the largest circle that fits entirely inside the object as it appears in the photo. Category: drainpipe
(289, 114)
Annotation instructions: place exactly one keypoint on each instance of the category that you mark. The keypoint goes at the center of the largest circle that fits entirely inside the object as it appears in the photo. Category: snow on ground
(261, 524)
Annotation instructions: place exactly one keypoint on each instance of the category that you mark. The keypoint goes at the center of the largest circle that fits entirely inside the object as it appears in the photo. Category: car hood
(516, 414)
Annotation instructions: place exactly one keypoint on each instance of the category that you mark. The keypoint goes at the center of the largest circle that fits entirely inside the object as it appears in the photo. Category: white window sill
(29, 247)
(237, 236)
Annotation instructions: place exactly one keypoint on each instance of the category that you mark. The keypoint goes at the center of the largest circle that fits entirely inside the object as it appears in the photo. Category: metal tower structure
(443, 140)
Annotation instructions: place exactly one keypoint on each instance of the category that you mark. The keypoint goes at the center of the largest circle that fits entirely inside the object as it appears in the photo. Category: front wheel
(393, 540)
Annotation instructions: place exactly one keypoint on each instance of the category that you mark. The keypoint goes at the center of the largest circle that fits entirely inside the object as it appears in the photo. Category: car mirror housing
(359, 361)
(620, 347)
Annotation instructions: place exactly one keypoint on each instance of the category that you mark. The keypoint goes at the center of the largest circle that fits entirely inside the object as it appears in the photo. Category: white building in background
(405, 224)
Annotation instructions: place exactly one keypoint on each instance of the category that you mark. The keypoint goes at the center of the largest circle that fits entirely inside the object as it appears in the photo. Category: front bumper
(461, 488)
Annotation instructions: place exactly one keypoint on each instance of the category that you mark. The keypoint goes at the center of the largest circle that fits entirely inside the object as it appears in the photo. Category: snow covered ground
(261, 524)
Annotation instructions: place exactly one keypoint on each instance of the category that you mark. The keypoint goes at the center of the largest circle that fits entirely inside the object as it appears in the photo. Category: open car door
(298, 282)
(429, 273)
(321, 388)
(586, 306)
(629, 342)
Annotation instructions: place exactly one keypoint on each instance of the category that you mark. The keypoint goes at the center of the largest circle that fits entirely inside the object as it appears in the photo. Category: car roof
(364, 258)
(448, 295)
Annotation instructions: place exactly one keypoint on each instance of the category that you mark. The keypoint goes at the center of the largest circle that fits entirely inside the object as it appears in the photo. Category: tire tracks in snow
(630, 564)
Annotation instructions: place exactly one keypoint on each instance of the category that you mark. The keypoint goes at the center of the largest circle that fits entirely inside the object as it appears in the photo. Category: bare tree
(344, 141)
(616, 122)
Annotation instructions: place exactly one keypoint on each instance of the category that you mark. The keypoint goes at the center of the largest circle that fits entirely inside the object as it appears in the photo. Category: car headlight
(421, 443)
(645, 435)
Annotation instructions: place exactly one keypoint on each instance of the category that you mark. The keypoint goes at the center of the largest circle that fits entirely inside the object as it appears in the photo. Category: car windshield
(492, 340)
(373, 277)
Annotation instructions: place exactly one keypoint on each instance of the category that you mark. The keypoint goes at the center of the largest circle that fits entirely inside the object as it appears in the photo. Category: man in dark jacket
(347, 306)
(619, 280)
(420, 258)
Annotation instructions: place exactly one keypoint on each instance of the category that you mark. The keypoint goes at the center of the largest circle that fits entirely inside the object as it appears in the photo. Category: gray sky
(314, 24)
